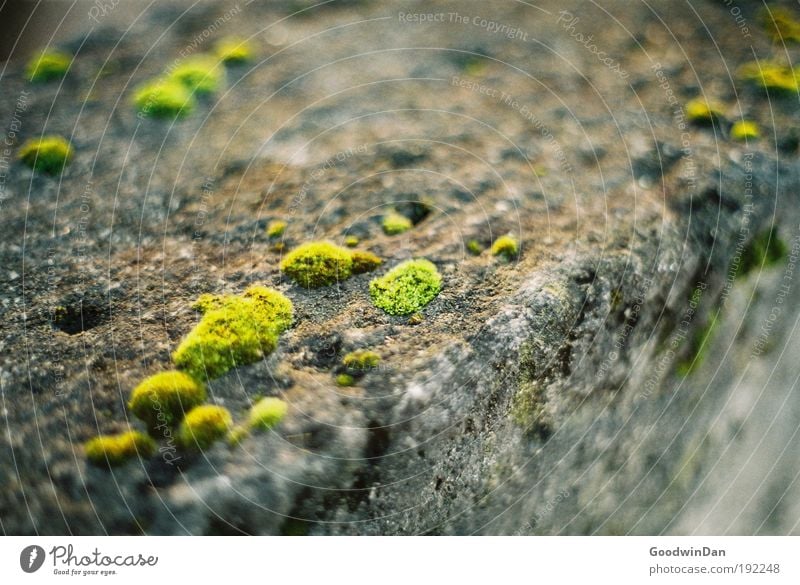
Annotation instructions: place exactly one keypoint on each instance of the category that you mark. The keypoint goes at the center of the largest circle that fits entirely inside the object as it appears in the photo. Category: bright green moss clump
(48, 65)
(316, 264)
(117, 449)
(506, 247)
(345, 380)
(233, 51)
(781, 24)
(394, 223)
(770, 75)
(407, 288)
(266, 413)
(364, 261)
(474, 247)
(360, 360)
(161, 400)
(49, 154)
(234, 331)
(164, 98)
(351, 241)
(276, 228)
(201, 74)
(203, 426)
(701, 111)
(744, 130)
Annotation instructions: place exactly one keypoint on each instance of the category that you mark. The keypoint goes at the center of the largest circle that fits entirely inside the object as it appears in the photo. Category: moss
(203, 426)
(395, 223)
(351, 241)
(364, 261)
(161, 400)
(118, 449)
(267, 413)
(765, 250)
(506, 247)
(359, 361)
(701, 111)
(780, 24)
(276, 228)
(316, 264)
(207, 301)
(529, 404)
(49, 154)
(416, 319)
(474, 247)
(700, 343)
(770, 75)
(345, 380)
(164, 98)
(200, 74)
(234, 331)
(233, 50)
(744, 130)
(48, 65)
(407, 288)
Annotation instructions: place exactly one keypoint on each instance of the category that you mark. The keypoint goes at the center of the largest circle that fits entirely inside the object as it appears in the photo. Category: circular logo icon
(31, 558)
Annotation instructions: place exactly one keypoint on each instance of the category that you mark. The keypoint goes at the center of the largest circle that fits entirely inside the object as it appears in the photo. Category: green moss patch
(506, 247)
(49, 154)
(164, 98)
(200, 74)
(316, 264)
(234, 331)
(394, 223)
(203, 426)
(118, 449)
(161, 400)
(233, 50)
(406, 288)
(48, 65)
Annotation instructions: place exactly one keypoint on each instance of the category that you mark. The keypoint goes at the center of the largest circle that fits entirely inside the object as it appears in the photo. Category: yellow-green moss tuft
(233, 50)
(407, 288)
(48, 65)
(780, 24)
(744, 130)
(770, 75)
(345, 380)
(162, 399)
(49, 154)
(276, 228)
(164, 98)
(394, 223)
(203, 426)
(316, 264)
(234, 331)
(506, 247)
(474, 247)
(267, 413)
(351, 241)
(360, 361)
(364, 261)
(200, 74)
(118, 449)
(701, 111)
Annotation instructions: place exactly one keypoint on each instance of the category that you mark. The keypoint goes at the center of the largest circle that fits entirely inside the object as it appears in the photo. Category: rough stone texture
(543, 396)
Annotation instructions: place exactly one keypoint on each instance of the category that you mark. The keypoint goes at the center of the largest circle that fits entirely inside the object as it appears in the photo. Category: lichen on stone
(203, 426)
(162, 399)
(234, 331)
(407, 288)
(118, 449)
(49, 154)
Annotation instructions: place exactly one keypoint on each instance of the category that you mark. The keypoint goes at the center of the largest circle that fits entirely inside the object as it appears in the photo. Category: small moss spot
(49, 154)
(161, 400)
(201, 74)
(48, 65)
(345, 380)
(766, 249)
(351, 241)
(770, 75)
(780, 24)
(364, 261)
(407, 288)
(276, 228)
(203, 426)
(234, 331)
(164, 98)
(701, 111)
(359, 361)
(474, 247)
(395, 223)
(118, 449)
(700, 344)
(744, 130)
(267, 413)
(233, 50)
(506, 247)
(316, 264)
